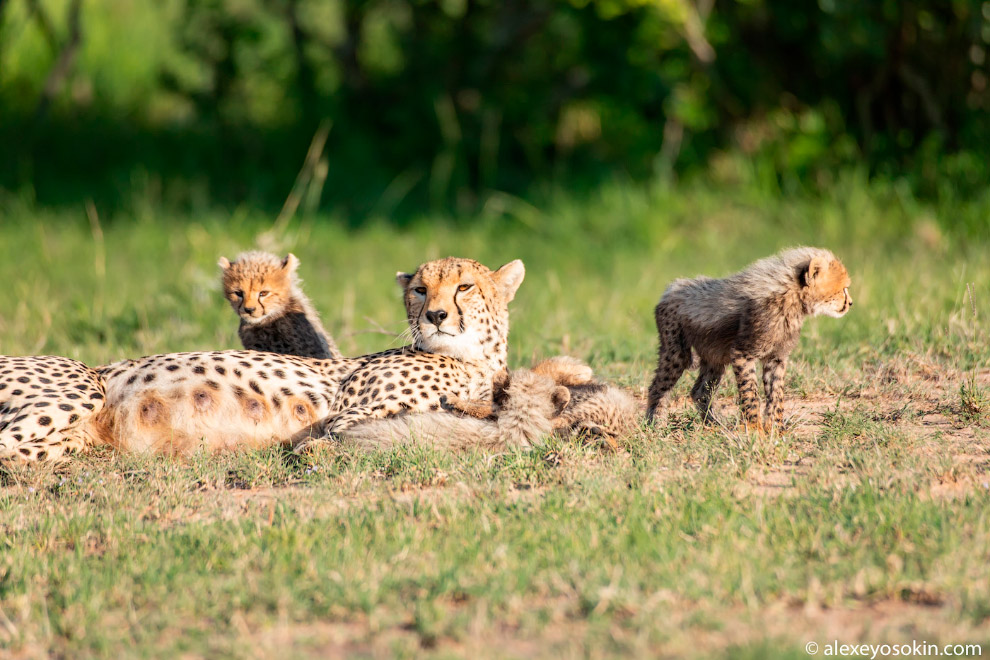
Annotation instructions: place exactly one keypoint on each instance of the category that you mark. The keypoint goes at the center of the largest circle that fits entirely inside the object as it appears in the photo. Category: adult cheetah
(458, 311)
(595, 408)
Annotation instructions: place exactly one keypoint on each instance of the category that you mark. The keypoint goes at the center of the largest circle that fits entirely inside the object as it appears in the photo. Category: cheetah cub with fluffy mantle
(754, 315)
(592, 407)
(276, 316)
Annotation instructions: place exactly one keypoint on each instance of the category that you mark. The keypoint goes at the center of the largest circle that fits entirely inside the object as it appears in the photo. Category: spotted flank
(48, 407)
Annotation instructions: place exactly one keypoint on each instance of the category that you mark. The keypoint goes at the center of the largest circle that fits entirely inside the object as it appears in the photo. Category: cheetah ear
(816, 267)
(223, 263)
(290, 263)
(508, 278)
(561, 397)
(403, 279)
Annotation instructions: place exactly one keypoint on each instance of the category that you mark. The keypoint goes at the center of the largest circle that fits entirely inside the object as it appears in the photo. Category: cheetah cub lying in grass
(754, 315)
(525, 405)
(592, 408)
(275, 315)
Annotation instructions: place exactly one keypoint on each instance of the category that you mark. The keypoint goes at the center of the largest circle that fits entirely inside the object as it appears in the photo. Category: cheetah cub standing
(276, 316)
(525, 405)
(754, 315)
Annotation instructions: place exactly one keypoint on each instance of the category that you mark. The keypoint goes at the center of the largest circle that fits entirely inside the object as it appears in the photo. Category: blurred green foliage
(441, 102)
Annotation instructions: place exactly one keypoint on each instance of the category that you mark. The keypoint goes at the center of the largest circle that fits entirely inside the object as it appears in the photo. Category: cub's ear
(561, 397)
(508, 278)
(500, 386)
(816, 268)
(223, 263)
(403, 279)
(290, 263)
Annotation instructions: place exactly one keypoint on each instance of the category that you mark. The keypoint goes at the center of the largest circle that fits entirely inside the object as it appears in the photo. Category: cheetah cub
(525, 405)
(276, 316)
(754, 315)
(593, 408)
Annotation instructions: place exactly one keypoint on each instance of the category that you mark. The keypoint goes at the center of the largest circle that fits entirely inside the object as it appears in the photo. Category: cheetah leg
(773, 389)
(593, 432)
(705, 389)
(482, 408)
(477, 409)
(744, 368)
(564, 370)
(673, 357)
(334, 424)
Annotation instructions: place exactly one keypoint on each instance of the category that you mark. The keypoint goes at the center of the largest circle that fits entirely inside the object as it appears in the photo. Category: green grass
(689, 542)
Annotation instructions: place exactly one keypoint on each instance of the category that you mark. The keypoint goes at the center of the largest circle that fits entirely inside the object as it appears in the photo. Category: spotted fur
(48, 407)
(525, 405)
(276, 316)
(754, 315)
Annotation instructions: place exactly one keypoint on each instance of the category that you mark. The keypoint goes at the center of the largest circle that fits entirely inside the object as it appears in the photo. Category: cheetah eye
(262, 294)
(239, 294)
(464, 287)
(421, 290)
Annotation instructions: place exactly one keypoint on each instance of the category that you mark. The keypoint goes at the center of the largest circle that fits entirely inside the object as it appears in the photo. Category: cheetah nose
(250, 310)
(436, 316)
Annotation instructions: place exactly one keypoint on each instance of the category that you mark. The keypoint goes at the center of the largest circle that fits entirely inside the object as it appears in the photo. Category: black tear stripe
(460, 314)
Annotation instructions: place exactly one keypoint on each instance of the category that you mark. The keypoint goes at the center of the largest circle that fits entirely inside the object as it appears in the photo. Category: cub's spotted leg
(705, 388)
(564, 370)
(744, 368)
(773, 389)
(673, 357)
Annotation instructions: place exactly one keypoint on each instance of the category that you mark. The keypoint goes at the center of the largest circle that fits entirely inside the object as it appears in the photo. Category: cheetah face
(258, 289)
(458, 307)
(827, 288)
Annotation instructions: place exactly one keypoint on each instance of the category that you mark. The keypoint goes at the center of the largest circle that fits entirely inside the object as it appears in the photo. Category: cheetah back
(48, 407)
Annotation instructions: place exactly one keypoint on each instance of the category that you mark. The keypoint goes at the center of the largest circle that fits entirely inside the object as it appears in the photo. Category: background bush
(439, 103)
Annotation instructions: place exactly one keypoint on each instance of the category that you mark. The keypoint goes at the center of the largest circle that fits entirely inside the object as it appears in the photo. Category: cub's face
(827, 289)
(458, 307)
(258, 289)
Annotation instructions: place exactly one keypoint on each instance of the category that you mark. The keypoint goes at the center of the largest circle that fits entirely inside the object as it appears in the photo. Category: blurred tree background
(387, 107)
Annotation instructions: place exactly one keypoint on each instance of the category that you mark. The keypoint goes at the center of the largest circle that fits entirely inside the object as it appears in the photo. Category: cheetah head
(826, 287)
(258, 285)
(458, 307)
